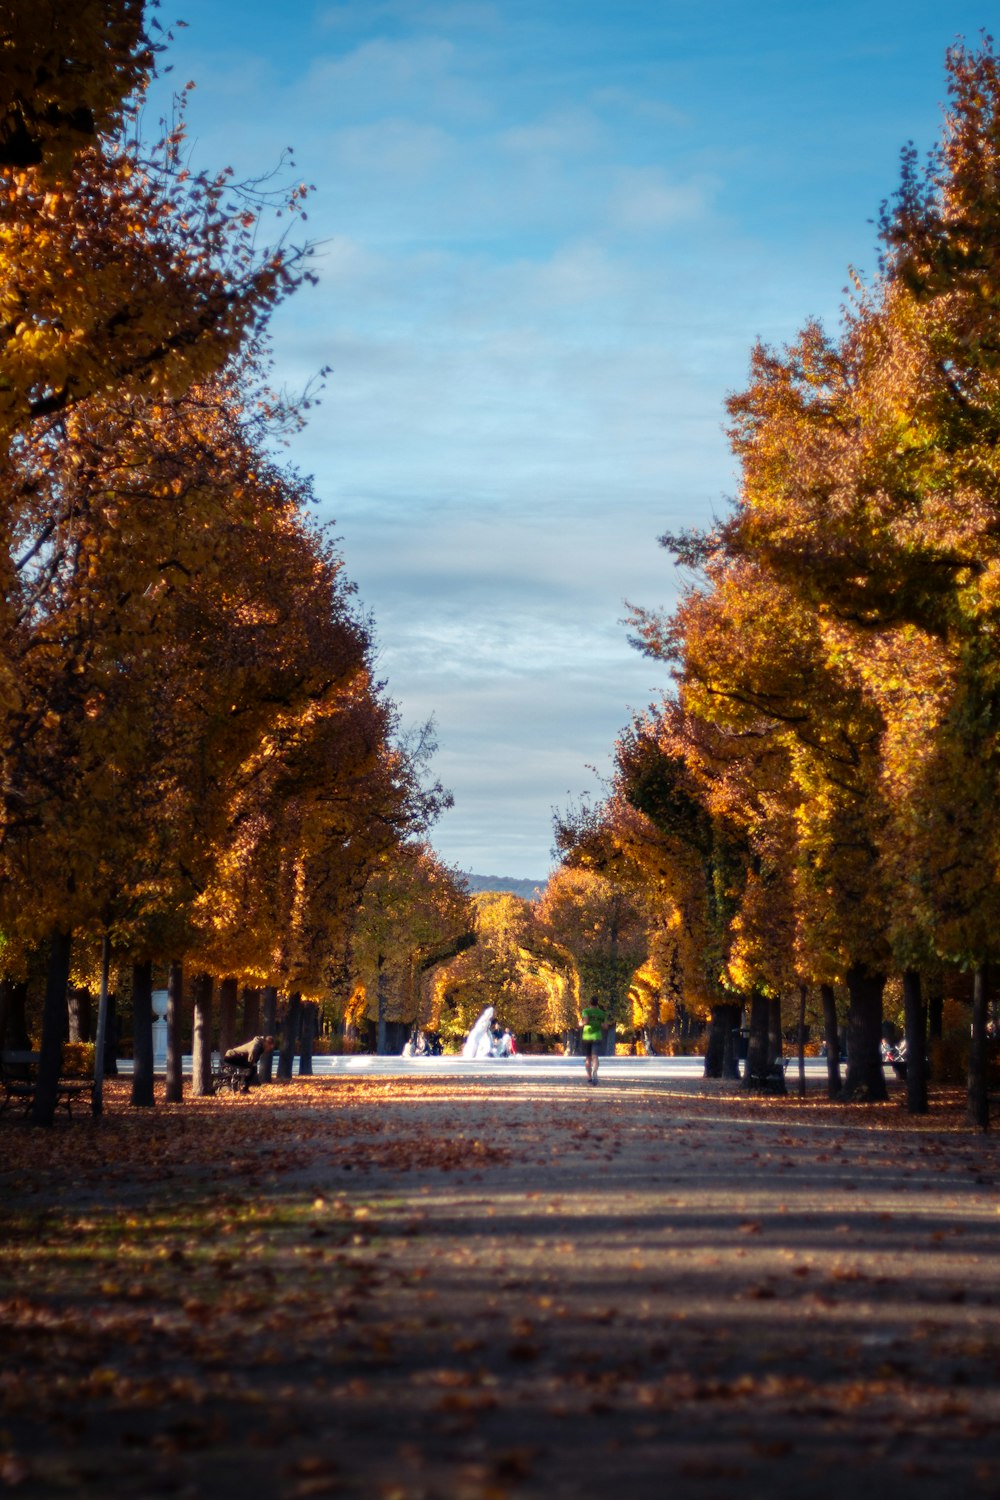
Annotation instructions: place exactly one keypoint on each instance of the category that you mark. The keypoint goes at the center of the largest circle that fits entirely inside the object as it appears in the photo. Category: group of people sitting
(423, 1044)
(503, 1042)
(490, 1038)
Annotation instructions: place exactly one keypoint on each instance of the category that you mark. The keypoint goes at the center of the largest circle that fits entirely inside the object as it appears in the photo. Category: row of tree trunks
(866, 1077)
(201, 1048)
(865, 1073)
(300, 1029)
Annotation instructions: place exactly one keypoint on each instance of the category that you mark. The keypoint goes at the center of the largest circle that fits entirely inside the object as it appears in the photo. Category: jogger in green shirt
(595, 1020)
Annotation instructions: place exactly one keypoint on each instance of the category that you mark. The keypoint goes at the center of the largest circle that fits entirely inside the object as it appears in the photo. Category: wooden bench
(19, 1082)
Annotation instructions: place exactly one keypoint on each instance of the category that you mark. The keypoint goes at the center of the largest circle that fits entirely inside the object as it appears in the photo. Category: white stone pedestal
(159, 1030)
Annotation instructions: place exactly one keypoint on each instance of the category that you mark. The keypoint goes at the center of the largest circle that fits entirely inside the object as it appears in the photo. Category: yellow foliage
(78, 1059)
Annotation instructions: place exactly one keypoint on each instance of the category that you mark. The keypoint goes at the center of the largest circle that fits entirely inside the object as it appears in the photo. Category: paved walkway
(520, 1069)
(444, 1285)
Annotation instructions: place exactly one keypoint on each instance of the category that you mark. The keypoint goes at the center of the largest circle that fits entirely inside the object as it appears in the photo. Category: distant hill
(528, 889)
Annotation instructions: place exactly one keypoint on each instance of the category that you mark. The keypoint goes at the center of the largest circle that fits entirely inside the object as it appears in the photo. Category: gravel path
(481, 1288)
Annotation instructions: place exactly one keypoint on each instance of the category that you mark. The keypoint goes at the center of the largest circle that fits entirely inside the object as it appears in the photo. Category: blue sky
(548, 233)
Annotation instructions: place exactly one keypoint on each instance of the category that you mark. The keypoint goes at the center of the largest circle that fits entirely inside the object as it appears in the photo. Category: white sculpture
(477, 1043)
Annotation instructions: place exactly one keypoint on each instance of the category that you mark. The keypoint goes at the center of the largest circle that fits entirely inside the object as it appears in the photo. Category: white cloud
(581, 274)
(513, 748)
(655, 111)
(644, 198)
(391, 148)
(403, 75)
(562, 133)
(463, 15)
(460, 17)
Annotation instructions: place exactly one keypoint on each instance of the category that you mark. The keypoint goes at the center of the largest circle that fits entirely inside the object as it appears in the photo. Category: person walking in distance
(595, 1020)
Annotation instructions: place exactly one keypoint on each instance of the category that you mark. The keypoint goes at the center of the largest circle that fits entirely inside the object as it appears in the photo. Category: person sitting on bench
(248, 1054)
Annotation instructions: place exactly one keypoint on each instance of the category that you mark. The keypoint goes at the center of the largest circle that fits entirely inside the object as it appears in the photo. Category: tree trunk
(730, 1049)
(101, 1039)
(757, 1052)
(775, 1048)
(142, 1034)
(831, 1036)
(289, 1036)
(251, 1012)
(265, 1067)
(720, 1053)
(610, 1041)
(79, 1014)
(865, 1071)
(43, 1109)
(803, 994)
(175, 1012)
(715, 1045)
(13, 1015)
(112, 1032)
(201, 1039)
(307, 1032)
(916, 1043)
(228, 991)
(978, 1099)
(381, 990)
(775, 1039)
(86, 1005)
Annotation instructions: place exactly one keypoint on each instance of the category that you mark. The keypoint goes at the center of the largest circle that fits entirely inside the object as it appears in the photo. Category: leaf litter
(201, 1300)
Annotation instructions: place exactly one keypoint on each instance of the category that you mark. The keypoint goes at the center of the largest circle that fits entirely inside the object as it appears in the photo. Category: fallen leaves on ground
(409, 1288)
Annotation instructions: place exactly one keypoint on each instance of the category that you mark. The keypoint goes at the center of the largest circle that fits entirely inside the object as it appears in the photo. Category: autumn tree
(656, 834)
(65, 74)
(83, 234)
(871, 491)
(596, 919)
(411, 907)
(87, 234)
(791, 756)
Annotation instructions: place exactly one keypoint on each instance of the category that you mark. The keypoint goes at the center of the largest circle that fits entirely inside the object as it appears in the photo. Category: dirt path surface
(500, 1289)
